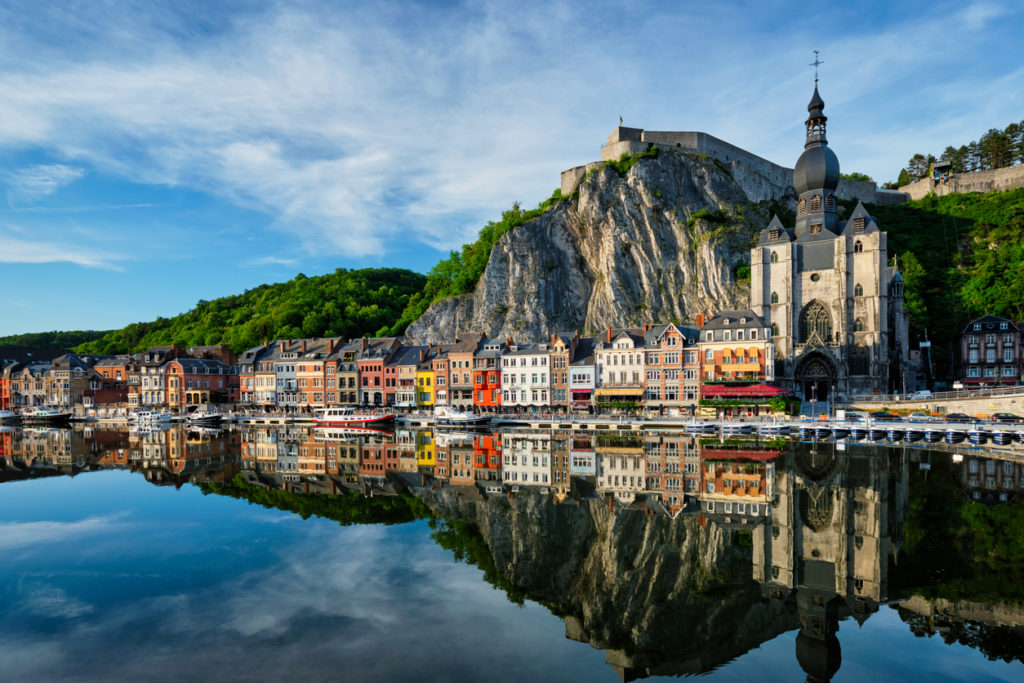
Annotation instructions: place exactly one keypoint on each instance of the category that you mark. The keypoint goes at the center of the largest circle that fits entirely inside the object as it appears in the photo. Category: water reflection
(673, 553)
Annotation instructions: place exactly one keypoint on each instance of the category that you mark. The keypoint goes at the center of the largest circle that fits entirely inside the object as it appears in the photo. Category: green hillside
(962, 256)
(346, 303)
(52, 340)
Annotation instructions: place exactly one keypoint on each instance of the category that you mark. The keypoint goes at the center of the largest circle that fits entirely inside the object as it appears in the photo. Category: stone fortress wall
(979, 181)
(760, 179)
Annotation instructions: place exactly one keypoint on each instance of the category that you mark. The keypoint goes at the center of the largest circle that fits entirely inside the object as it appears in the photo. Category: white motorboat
(343, 416)
(205, 415)
(151, 417)
(445, 416)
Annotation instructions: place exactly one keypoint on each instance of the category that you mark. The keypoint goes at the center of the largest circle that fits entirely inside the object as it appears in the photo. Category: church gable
(859, 222)
(776, 232)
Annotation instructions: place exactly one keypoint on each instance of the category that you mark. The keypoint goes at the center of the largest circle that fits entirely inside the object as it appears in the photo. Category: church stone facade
(824, 286)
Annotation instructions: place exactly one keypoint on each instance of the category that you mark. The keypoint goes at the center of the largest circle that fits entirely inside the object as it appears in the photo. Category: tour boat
(7, 416)
(449, 417)
(45, 415)
(340, 416)
(327, 433)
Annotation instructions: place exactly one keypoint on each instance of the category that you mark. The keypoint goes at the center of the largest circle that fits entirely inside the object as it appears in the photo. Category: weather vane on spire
(815, 64)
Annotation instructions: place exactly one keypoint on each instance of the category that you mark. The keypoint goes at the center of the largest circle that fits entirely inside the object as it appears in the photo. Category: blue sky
(155, 154)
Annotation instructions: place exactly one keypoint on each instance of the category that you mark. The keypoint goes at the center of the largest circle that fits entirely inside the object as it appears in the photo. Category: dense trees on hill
(52, 340)
(995, 149)
(346, 303)
(961, 255)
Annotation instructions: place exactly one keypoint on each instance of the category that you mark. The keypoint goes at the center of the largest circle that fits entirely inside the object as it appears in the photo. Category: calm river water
(255, 554)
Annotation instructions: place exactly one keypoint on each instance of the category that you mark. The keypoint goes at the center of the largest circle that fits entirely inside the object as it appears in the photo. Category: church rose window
(815, 319)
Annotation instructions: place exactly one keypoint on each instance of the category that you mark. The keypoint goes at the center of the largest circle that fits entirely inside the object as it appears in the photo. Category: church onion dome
(818, 167)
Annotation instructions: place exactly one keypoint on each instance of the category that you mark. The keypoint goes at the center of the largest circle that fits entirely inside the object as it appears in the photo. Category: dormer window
(977, 327)
(707, 336)
(859, 224)
(753, 334)
(773, 234)
(1003, 326)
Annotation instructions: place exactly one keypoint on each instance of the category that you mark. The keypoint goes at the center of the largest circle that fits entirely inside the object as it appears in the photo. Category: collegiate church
(825, 287)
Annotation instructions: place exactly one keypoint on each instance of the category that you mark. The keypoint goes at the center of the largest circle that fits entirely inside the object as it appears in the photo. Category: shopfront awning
(749, 391)
(620, 391)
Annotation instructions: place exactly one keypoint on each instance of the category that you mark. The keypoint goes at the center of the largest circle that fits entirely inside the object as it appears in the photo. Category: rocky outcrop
(657, 243)
(660, 594)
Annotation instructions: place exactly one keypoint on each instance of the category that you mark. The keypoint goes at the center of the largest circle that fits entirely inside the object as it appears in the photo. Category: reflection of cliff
(676, 594)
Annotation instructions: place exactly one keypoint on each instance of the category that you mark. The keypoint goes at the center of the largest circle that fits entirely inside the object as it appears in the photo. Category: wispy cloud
(16, 250)
(20, 534)
(272, 261)
(35, 182)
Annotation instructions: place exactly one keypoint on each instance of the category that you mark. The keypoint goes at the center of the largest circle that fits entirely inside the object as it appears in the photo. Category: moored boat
(342, 416)
(205, 415)
(445, 416)
(8, 416)
(44, 416)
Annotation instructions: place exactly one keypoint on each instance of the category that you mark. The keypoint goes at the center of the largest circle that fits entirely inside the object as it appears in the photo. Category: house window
(753, 334)
(707, 336)
(1003, 326)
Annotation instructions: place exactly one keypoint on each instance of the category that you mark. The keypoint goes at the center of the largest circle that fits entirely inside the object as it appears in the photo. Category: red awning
(751, 391)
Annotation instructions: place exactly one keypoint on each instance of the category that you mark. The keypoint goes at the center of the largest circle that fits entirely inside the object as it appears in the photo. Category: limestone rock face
(656, 244)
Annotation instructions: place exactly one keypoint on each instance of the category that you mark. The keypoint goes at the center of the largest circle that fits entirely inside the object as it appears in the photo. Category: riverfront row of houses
(665, 368)
(726, 360)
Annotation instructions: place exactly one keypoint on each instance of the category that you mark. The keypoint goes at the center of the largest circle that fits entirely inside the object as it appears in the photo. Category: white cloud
(21, 534)
(35, 182)
(53, 602)
(14, 250)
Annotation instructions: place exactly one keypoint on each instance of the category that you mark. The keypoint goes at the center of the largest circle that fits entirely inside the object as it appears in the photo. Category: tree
(856, 175)
(917, 167)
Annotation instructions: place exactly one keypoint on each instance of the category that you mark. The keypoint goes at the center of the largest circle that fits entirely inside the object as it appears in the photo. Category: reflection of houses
(737, 483)
(487, 457)
(526, 458)
(622, 468)
(989, 481)
(582, 456)
(665, 477)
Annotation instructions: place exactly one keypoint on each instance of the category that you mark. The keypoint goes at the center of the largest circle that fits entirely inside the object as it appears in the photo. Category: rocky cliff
(661, 595)
(655, 242)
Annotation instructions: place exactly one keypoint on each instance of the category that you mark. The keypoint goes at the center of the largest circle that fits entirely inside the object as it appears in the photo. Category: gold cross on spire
(815, 64)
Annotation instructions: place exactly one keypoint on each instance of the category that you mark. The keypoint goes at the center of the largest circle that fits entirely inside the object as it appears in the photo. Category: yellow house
(425, 448)
(425, 385)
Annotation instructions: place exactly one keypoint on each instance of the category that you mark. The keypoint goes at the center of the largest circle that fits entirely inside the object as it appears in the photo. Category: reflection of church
(836, 517)
(825, 286)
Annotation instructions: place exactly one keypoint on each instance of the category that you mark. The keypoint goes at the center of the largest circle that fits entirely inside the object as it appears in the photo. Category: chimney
(302, 346)
(421, 354)
(647, 327)
(508, 341)
(700, 320)
(363, 343)
(608, 334)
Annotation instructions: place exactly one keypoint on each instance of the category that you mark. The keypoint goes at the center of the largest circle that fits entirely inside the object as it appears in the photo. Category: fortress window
(858, 290)
(858, 324)
(816, 203)
(775, 257)
(773, 234)
(815, 228)
(830, 202)
(858, 247)
(859, 223)
(801, 207)
(775, 297)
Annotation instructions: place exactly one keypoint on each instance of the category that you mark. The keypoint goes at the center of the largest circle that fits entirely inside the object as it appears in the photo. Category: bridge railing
(939, 395)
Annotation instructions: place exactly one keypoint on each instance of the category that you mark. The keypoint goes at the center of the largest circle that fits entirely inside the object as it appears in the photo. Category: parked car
(882, 415)
(919, 417)
(1007, 417)
(918, 395)
(957, 417)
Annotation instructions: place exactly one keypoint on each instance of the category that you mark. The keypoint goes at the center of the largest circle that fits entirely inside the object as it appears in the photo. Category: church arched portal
(816, 377)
